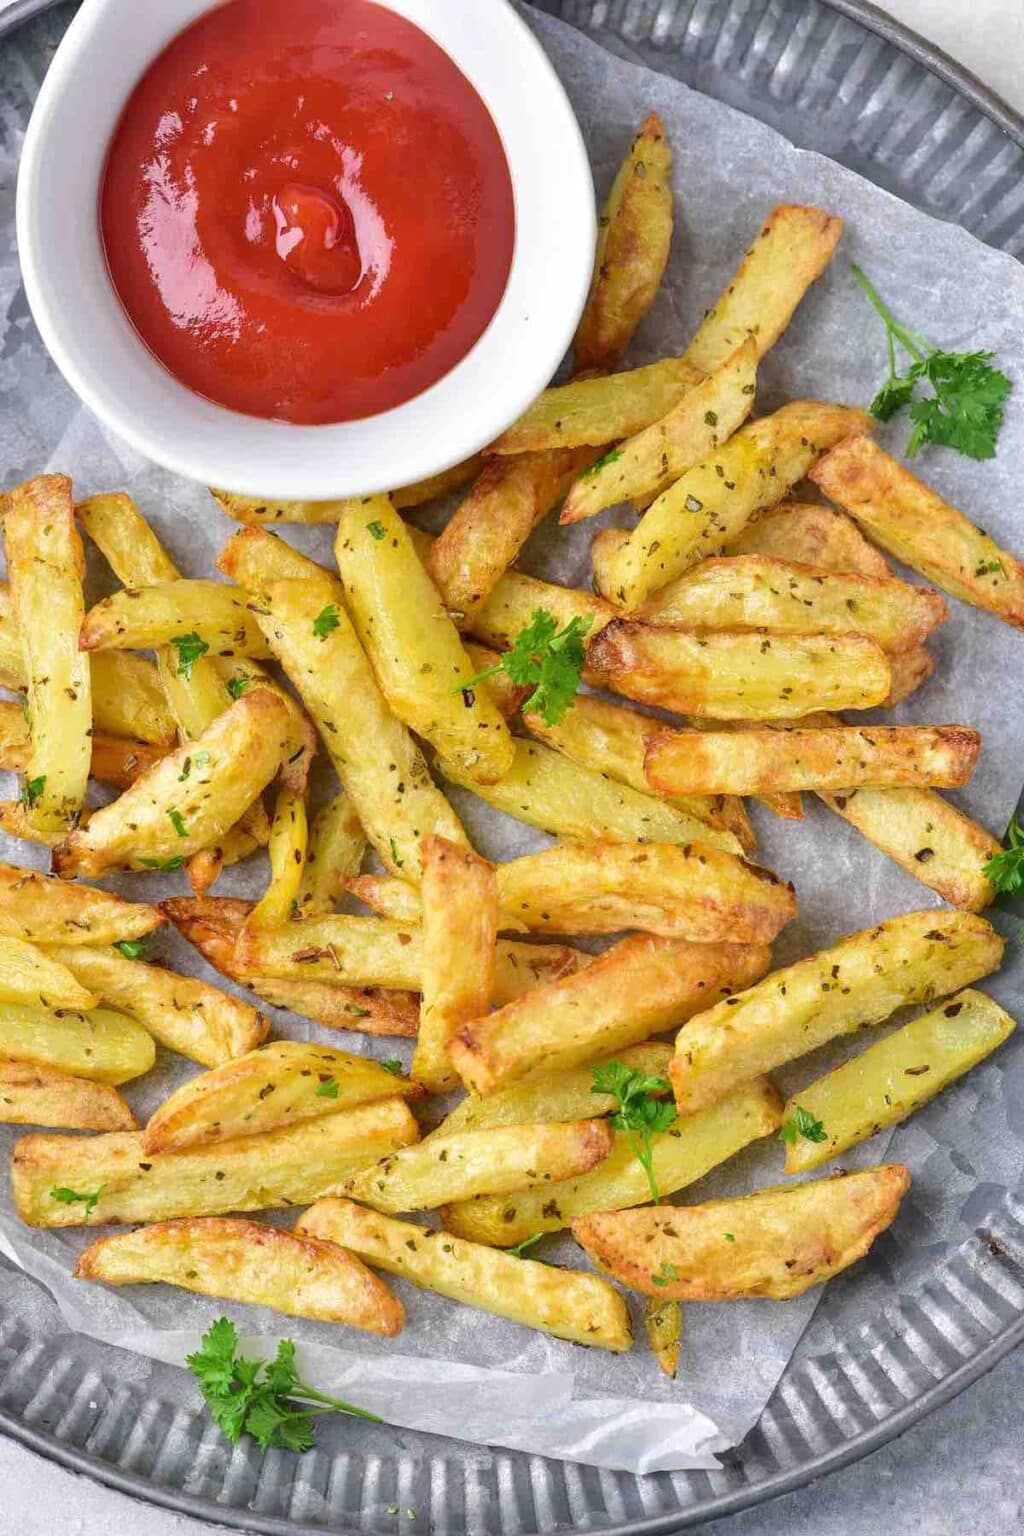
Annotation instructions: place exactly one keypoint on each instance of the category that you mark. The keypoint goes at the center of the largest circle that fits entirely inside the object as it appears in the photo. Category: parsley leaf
(163, 864)
(611, 457)
(396, 857)
(89, 1199)
(642, 1111)
(376, 529)
(392, 1065)
(328, 1089)
(237, 686)
(326, 621)
(32, 790)
(802, 1123)
(665, 1275)
(1006, 868)
(177, 821)
(189, 648)
(265, 1400)
(132, 949)
(520, 1250)
(546, 659)
(965, 407)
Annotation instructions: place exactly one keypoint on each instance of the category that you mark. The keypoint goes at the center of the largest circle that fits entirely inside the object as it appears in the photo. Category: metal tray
(838, 76)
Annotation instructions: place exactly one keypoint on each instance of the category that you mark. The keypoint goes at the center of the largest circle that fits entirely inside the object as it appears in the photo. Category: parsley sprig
(641, 1111)
(547, 660)
(1006, 868)
(802, 1123)
(265, 1400)
(964, 410)
(89, 1198)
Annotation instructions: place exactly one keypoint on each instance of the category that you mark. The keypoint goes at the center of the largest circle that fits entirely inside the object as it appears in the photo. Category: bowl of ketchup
(304, 248)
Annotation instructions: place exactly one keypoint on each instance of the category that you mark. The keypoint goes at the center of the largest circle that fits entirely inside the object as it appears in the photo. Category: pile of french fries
(757, 618)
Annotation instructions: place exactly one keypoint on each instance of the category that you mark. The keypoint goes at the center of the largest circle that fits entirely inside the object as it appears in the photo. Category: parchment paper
(501, 1384)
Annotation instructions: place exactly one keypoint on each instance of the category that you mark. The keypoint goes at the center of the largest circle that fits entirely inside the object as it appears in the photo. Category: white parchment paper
(503, 1385)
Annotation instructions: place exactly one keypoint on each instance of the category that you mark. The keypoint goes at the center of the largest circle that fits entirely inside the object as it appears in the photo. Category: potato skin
(34, 1095)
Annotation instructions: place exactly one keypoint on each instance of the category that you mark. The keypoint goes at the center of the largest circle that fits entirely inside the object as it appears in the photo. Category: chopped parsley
(65, 1196)
(132, 949)
(237, 686)
(164, 864)
(177, 821)
(802, 1123)
(522, 1249)
(326, 621)
(376, 529)
(328, 1089)
(641, 1112)
(611, 457)
(392, 1065)
(396, 857)
(666, 1274)
(32, 790)
(546, 659)
(189, 648)
(1005, 869)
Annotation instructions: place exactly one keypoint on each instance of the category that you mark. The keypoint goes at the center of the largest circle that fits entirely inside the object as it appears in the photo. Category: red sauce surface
(306, 210)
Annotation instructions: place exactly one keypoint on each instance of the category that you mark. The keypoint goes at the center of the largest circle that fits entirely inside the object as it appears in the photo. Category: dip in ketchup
(307, 210)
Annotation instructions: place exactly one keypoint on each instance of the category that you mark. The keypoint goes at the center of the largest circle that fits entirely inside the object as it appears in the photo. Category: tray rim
(136, 1486)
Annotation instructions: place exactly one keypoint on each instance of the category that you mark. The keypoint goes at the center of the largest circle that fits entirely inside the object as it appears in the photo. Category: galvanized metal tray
(841, 77)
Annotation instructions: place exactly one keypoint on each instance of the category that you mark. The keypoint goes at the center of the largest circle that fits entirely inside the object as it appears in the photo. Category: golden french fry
(182, 1012)
(600, 409)
(287, 851)
(712, 503)
(686, 433)
(387, 897)
(114, 759)
(636, 989)
(288, 1167)
(253, 558)
(663, 1322)
(458, 953)
(777, 1242)
(248, 1261)
(893, 1078)
(44, 910)
(213, 926)
(37, 979)
(101, 1046)
(334, 851)
(679, 1156)
(145, 618)
(750, 762)
(809, 534)
(14, 821)
(634, 236)
(45, 563)
(914, 523)
(514, 600)
(205, 867)
(579, 1307)
(276, 1085)
(793, 247)
(128, 700)
(739, 676)
(910, 671)
(36, 1095)
(174, 810)
(858, 981)
(258, 510)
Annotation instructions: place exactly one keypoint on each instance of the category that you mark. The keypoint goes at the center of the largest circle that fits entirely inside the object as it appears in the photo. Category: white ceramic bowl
(105, 51)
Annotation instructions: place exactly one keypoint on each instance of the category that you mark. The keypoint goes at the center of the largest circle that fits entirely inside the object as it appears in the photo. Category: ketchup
(307, 211)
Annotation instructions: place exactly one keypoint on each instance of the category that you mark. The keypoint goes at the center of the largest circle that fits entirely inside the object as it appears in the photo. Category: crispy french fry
(809, 534)
(914, 523)
(114, 759)
(777, 1242)
(750, 762)
(45, 563)
(34, 1095)
(663, 1323)
(387, 897)
(712, 503)
(600, 409)
(910, 671)
(458, 953)
(638, 988)
(205, 867)
(488, 1162)
(514, 600)
(679, 1156)
(925, 835)
(739, 676)
(14, 821)
(334, 851)
(213, 926)
(894, 1077)
(43, 910)
(579, 1307)
(253, 558)
(145, 618)
(793, 247)
(634, 236)
(856, 982)
(287, 851)
(276, 1085)
(685, 434)
(288, 1167)
(174, 810)
(754, 592)
(36, 978)
(248, 1261)
(182, 1012)
(260, 510)
(102, 1046)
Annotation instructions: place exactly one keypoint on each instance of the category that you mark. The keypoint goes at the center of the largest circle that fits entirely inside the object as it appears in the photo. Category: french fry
(458, 953)
(213, 926)
(43, 910)
(287, 852)
(182, 1012)
(663, 1323)
(777, 1243)
(739, 676)
(205, 867)
(14, 821)
(488, 1162)
(793, 247)
(35, 978)
(288, 1167)
(34, 1095)
(910, 671)
(600, 409)
(712, 503)
(248, 1261)
(634, 235)
(114, 759)
(751, 762)
(45, 563)
(754, 592)
(334, 851)
(174, 810)
(809, 534)
(253, 558)
(515, 598)
(854, 983)
(102, 1046)
(913, 523)
(145, 618)
(387, 897)
(565, 1303)
(262, 510)
(636, 989)
(896, 1076)
(671, 442)
(679, 1156)
(276, 1085)
(925, 835)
